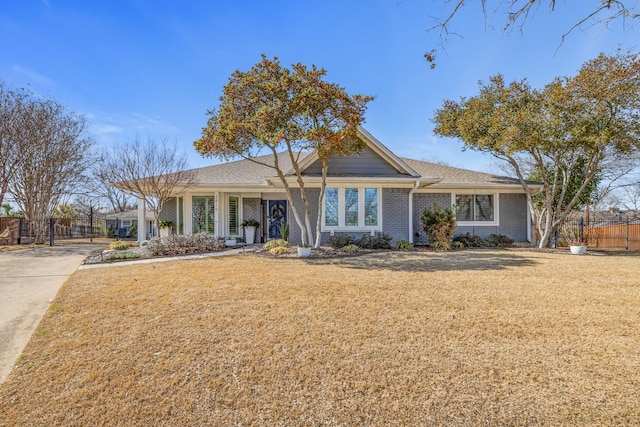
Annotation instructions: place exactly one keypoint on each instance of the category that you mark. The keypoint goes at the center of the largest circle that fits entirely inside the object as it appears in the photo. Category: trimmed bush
(403, 245)
(279, 250)
(275, 243)
(499, 241)
(469, 241)
(350, 248)
(119, 245)
(493, 241)
(341, 240)
(379, 241)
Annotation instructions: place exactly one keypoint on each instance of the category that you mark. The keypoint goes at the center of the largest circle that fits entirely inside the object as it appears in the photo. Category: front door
(277, 216)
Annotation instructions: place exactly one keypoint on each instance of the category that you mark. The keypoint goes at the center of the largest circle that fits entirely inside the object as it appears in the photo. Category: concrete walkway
(29, 281)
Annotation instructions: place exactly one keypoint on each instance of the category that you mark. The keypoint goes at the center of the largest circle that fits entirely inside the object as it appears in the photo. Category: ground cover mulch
(387, 338)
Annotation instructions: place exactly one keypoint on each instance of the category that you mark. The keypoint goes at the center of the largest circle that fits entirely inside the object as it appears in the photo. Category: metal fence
(22, 231)
(605, 233)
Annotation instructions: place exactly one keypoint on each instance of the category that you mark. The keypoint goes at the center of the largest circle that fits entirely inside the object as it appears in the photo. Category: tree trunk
(323, 185)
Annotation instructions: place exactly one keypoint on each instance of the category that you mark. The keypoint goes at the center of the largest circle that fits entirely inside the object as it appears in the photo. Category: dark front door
(277, 216)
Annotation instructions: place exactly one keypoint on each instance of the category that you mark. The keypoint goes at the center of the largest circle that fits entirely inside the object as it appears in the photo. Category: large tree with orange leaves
(272, 109)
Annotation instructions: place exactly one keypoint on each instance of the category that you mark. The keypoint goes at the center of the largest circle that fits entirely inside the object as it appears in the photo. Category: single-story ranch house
(372, 192)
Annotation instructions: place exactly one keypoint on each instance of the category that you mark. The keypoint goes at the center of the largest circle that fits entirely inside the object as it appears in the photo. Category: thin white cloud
(103, 129)
(145, 123)
(33, 76)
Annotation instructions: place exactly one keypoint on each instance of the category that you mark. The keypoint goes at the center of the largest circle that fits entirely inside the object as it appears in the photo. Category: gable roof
(377, 147)
(246, 173)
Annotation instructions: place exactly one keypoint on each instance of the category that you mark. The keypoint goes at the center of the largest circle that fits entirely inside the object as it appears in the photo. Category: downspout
(529, 225)
(415, 187)
(142, 222)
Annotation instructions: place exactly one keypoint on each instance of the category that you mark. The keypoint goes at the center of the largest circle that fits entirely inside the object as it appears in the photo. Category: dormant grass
(390, 338)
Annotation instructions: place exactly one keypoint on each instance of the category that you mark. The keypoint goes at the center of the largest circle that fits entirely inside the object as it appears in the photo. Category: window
(351, 208)
(233, 216)
(371, 207)
(475, 208)
(204, 210)
(331, 207)
(180, 215)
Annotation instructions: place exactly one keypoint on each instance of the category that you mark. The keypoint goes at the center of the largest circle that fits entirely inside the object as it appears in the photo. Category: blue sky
(153, 68)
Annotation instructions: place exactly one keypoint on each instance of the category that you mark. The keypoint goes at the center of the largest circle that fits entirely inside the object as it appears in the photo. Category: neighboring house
(372, 192)
(119, 224)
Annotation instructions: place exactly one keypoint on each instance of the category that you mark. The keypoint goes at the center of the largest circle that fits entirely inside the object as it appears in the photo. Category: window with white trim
(351, 208)
(476, 208)
(234, 216)
(204, 214)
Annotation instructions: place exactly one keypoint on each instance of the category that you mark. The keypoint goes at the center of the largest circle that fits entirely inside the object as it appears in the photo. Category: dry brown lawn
(464, 338)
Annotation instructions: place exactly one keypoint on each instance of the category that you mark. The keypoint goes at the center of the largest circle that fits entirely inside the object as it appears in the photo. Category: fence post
(91, 223)
(51, 231)
(627, 235)
(581, 233)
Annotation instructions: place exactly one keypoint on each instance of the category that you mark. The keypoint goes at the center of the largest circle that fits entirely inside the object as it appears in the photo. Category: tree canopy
(276, 109)
(47, 153)
(152, 171)
(571, 126)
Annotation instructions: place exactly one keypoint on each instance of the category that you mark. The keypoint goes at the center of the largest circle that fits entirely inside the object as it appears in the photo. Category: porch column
(142, 222)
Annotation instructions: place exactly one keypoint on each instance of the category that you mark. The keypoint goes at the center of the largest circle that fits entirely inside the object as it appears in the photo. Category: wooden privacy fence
(607, 233)
(617, 236)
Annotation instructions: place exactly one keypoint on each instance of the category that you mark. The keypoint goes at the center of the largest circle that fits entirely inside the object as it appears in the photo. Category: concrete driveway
(29, 281)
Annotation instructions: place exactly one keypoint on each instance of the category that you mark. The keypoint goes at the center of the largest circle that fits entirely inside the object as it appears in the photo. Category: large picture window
(204, 211)
(351, 208)
(475, 208)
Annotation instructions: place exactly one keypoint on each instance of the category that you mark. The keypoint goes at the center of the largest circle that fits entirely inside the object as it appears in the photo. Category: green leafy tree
(276, 109)
(566, 131)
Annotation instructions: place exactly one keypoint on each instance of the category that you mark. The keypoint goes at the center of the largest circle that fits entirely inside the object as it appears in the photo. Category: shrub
(177, 244)
(469, 241)
(275, 243)
(341, 240)
(121, 255)
(440, 245)
(119, 245)
(439, 225)
(278, 250)
(403, 245)
(499, 241)
(379, 241)
(284, 231)
(493, 241)
(350, 248)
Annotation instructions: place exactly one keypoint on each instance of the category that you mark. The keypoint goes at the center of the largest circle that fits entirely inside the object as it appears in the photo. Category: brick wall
(422, 201)
(395, 213)
(512, 216)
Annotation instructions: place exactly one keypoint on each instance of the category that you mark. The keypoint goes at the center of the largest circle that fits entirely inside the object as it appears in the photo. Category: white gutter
(416, 186)
(529, 237)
